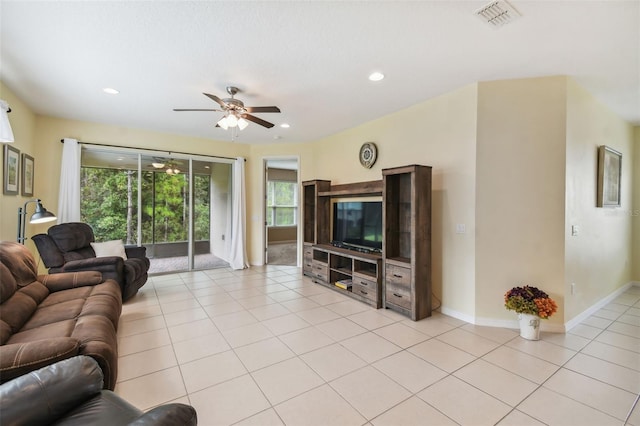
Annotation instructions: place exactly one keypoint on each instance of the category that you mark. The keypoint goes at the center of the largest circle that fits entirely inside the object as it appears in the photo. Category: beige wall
(598, 260)
(520, 191)
(635, 214)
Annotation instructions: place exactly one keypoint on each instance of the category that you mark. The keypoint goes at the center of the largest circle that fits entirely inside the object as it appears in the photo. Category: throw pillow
(109, 248)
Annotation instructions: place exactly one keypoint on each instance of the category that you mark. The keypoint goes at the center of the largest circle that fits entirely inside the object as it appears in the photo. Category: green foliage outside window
(281, 203)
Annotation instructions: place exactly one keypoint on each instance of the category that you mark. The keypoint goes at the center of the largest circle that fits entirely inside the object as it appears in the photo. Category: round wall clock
(368, 154)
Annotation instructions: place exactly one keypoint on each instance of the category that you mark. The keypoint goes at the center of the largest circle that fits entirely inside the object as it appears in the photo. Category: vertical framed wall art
(609, 176)
(27, 175)
(10, 170)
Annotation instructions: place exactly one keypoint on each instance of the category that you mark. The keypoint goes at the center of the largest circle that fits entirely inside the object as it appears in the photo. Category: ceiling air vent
(497, 13)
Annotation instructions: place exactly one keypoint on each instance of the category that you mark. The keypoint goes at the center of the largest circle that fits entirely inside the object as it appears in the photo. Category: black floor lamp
(41, 215)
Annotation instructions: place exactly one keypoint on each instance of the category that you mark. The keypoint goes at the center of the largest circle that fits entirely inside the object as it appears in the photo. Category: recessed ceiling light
(110, 91)
(376, 76)
(285, 125)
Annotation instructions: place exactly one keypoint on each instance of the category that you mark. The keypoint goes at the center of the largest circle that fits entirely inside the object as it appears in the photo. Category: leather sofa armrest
(102, 264)
(67, 280)
(20, 358)
(135, 251)
(168, 415)
(45, 395)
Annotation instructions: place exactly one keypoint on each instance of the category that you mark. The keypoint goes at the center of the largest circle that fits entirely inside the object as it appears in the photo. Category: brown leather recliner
(67, 248)
(47, 318)
(70, 392)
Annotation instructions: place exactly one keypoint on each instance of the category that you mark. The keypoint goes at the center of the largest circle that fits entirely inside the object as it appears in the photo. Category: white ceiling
(310, 58)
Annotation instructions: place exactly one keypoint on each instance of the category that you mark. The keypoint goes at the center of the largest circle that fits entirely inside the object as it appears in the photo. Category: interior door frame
(265, 240)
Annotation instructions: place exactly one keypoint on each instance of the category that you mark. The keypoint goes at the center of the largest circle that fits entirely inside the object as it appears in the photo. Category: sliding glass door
(174, 206)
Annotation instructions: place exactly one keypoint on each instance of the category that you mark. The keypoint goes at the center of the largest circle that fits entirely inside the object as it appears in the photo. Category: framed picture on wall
(10, 170)
(609, 176)
(27, 175)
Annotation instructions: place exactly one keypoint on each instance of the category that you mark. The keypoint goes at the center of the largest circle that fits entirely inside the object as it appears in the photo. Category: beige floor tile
(286, 379)
(598, 322)
(591, 392)
(256, 301)
(348, 307)
(628, 299)
(285, 324)
(396, 316)
(192, 330)
(412, 412)
(263, 418)
(518, 418)
(430, 326)
(630, 319)
(200, 347)
(609, 314)
(332, 361)
(326, 298)
(616, 307)
(496, 334)
(619, 340)
(183, 317)
(263, 353)
(409, 371)
(285, 295)
(634, 417)
(585, 331)
(142, 342)
(143, 325)
(274, 288)
(542, 349)
(246, 293)
(141, 363)
(136, 312)
(613, 355)
(321, 406)
(401, 335)
(561, 410)
(497, 382)
(370, 391)
(370, 319)
(615, 375)
(215, 298)
(228, 402)
(522, 364)
(210, 371)
(269, 311)
(464, 403)
(341, 328)
(569, 341)
(223, 309)
(306, 340)
(180, 305)
(442, 355)
(297, 305)
(174, 295)
(153, 389)
(317, 315)
(247, 334)
(234, 320)
(626, 329)
(311, 290)
(468, 342)
(370, 347)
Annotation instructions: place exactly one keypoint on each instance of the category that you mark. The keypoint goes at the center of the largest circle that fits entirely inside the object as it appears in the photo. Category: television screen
(358, 224)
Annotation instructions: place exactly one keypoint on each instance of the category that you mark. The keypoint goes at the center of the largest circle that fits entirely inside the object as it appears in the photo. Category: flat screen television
(358, 224)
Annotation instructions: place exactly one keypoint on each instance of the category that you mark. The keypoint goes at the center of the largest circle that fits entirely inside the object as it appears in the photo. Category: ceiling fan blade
(257, 120)
(196, 109)
(262, 109)
(216, 99)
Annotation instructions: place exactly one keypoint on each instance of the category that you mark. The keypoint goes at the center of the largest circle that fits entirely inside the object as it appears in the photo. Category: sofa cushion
(71, 236)
(20, 307)
(16, 266)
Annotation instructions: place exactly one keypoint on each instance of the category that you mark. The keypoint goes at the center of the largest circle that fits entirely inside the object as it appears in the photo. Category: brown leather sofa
(47, 318)
(70, 392)
(67, 248)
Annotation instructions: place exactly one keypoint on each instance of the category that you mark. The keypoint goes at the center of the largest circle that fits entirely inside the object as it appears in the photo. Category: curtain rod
(154, 150)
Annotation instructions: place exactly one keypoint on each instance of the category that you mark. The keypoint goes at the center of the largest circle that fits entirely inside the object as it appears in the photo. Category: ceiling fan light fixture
(232, 120)
(223, 123)
(242, 123)
(157, 165)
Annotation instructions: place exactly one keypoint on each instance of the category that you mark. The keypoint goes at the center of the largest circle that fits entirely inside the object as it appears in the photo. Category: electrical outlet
(461, 228)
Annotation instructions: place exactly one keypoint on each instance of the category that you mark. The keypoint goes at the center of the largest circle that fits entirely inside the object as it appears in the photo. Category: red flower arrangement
(530, 300)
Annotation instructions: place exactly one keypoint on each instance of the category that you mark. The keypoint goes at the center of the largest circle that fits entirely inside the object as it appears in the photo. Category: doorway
(282, 211)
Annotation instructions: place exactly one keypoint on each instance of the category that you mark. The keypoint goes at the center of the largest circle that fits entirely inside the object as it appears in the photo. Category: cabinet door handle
(397, 275)
(397, 295)
(363, 283)
(363, 292)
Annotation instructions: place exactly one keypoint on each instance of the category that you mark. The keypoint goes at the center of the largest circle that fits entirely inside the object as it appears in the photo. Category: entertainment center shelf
(399, 277)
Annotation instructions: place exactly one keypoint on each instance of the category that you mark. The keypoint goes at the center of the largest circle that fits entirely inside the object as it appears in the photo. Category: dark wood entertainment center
(399, 278)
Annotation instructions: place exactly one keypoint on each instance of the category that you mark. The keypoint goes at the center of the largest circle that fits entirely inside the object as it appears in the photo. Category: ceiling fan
(236, 114)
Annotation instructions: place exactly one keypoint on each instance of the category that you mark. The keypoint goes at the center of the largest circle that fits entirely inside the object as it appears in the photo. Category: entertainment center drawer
(397, 275)
(365, 282)
(398, 295)
(364, 291)
(320, 270)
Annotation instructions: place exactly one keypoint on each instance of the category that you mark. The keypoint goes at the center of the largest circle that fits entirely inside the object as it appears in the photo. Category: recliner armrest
(135, 251)
(17, 359)
(102, 264)
(67, 280)
(44, 395)
(168, 415)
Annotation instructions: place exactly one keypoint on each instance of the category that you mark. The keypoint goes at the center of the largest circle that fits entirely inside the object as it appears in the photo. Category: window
(282, 203)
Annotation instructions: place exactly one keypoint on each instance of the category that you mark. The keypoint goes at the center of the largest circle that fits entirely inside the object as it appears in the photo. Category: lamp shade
(6, 134)
(41, 215)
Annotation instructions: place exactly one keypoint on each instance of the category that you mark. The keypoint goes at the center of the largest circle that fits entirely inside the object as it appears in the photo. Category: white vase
(529, 326)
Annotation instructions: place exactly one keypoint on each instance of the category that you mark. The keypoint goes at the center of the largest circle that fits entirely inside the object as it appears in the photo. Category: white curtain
(69, 195)
(238, 255)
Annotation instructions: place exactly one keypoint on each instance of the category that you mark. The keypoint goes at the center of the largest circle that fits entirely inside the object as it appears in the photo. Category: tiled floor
(265, 346)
